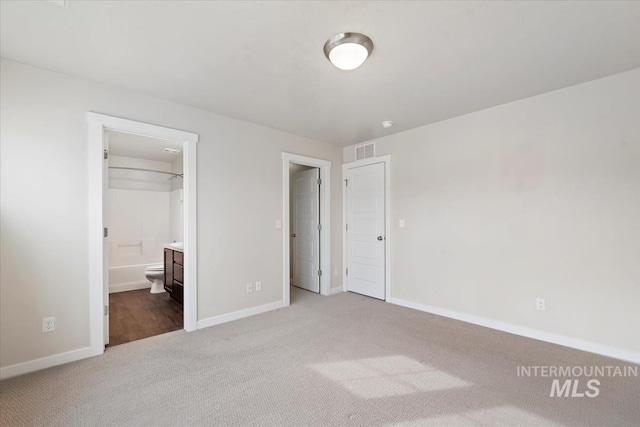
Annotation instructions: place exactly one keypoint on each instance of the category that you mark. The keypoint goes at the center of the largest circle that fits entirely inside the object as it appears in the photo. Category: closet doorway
(305, 224)
(310, 267)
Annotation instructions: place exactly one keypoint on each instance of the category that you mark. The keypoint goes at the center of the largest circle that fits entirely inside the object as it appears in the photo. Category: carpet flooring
(338, 360)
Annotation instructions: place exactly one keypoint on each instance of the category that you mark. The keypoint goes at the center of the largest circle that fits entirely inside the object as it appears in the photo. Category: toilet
(155, 274)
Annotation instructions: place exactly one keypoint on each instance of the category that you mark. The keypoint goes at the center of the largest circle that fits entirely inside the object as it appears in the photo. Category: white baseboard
(46, 362)
(229, 317)
(336, 290)
(591, 347)
(129, 286)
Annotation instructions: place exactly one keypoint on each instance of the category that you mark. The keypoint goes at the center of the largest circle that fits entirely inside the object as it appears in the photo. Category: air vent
(366, 151)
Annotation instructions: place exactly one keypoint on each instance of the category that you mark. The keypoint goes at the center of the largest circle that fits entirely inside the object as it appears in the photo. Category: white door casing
(366, 225)
(98, 189)
(325, 220)
(305, 229)
(105, 241)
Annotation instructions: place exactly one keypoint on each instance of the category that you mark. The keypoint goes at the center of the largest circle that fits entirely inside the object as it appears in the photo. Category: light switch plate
(402, 223)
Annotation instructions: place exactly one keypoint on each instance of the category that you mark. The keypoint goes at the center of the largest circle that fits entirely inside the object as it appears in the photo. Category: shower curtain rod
(147, 170)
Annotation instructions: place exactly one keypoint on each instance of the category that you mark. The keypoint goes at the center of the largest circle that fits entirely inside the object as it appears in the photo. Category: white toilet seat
(155, 267)
(155, 274)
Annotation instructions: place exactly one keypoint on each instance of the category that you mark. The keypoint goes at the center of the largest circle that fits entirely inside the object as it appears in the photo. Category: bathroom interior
(145, 239)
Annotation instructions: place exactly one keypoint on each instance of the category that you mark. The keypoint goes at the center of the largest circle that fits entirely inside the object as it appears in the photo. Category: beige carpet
(339, 360)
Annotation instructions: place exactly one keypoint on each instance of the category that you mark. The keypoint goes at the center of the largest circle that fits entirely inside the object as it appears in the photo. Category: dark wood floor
(134, 315)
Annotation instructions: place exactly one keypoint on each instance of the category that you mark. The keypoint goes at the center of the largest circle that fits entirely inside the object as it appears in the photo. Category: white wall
(177, 167)
(177, 202)
(139, 226)
(176, 216)
(536, 198)
(138, 212)
(138, 180)
(44, 205)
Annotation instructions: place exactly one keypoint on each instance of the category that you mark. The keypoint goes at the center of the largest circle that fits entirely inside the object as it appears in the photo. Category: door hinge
(346, 182)
(106, 310)
(106, 232)
(319, 272)
(106, 154)
(319, 181)
(347, 272)
(319, 227)
(347, 227)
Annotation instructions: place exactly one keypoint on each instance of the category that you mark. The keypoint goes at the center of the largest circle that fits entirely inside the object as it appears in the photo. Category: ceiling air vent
(366, 151)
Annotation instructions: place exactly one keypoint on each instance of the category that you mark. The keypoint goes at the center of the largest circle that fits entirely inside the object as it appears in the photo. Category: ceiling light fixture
(348, 51)
(171, 151)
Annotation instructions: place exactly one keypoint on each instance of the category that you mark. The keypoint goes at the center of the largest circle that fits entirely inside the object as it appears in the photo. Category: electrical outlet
(258, 286)
(540, 305)
(48, 324)
(249, 288)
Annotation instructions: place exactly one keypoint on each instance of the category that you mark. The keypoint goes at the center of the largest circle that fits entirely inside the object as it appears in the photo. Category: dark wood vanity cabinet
(168, 270)
(174, 274)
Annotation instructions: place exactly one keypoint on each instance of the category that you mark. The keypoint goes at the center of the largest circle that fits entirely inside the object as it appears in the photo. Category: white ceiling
(142, 147)
(263, 61)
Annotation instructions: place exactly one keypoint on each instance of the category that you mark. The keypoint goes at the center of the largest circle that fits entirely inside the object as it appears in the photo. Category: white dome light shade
(348, 51)
(348, 56)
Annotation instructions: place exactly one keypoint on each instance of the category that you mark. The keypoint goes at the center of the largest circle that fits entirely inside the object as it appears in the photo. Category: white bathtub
(128, 278)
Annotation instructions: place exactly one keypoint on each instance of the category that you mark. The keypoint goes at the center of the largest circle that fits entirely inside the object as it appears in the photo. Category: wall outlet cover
(48, 324)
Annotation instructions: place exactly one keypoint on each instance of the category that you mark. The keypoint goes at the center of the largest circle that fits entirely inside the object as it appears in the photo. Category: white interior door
(305, 235)
(366, 230)
(105, 242)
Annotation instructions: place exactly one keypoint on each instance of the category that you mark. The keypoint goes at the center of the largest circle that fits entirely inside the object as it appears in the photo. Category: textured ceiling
(263, 61)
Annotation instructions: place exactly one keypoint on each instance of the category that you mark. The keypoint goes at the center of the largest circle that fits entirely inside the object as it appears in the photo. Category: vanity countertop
(174, 247)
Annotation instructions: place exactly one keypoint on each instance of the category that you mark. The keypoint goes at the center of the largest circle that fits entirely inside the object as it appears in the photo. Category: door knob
(293, 235)
(380, 237)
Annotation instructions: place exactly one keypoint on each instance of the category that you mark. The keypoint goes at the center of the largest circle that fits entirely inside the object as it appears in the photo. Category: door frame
(98, 125)
(386, 159)
(325, 220)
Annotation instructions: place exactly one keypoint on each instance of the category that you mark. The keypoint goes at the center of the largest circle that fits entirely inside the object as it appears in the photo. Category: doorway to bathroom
(143, 272)
(145, 226)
